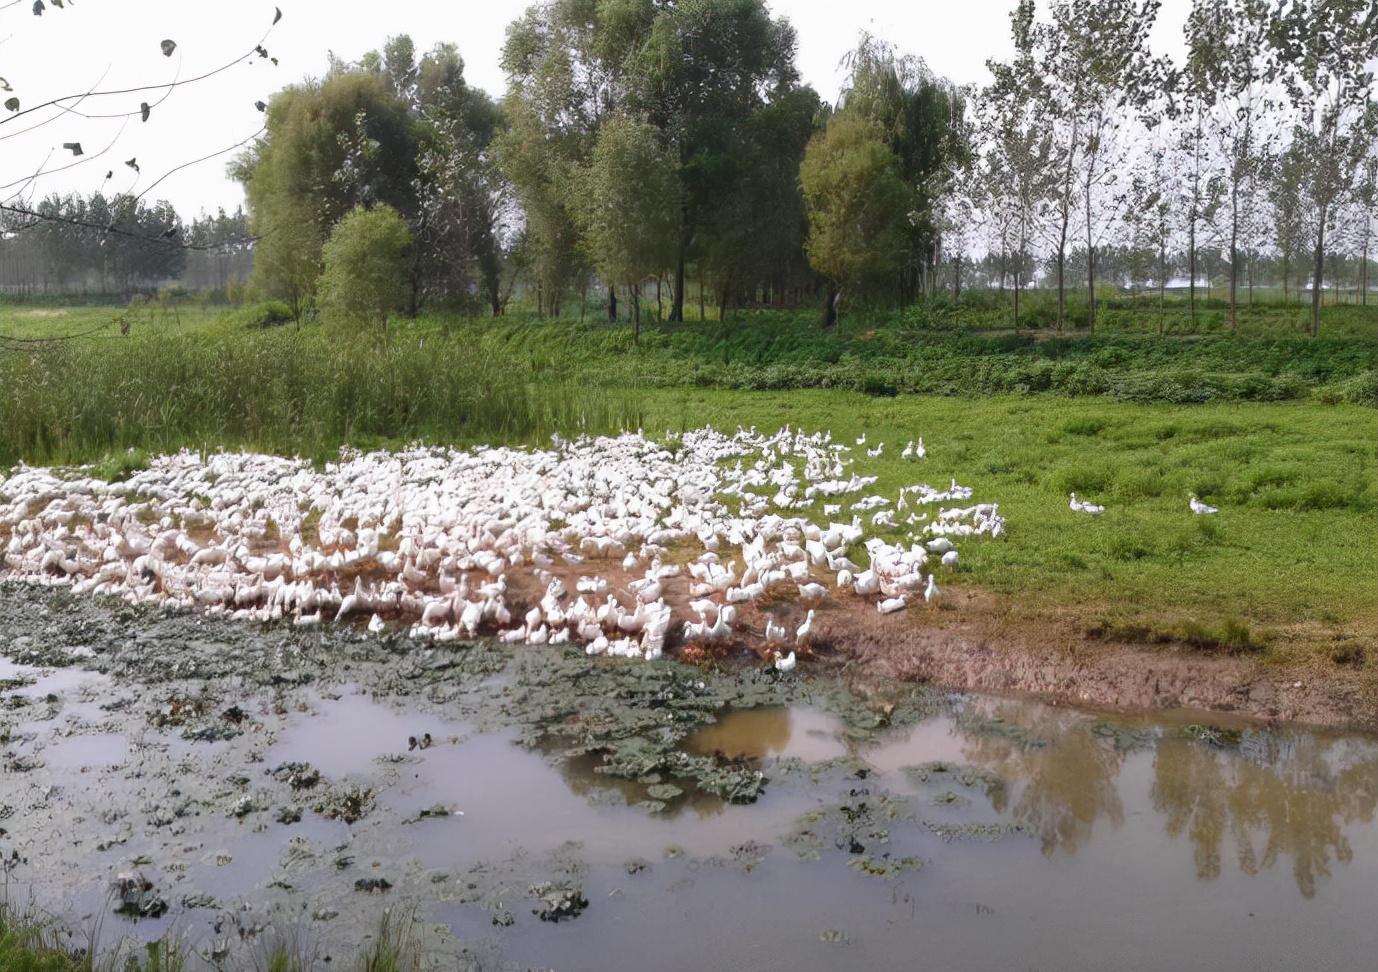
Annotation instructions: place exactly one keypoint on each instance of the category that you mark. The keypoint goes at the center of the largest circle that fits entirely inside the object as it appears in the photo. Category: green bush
(365, 276)
(269, 313)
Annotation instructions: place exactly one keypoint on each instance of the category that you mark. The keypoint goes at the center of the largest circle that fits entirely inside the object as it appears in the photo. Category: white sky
(115, 44)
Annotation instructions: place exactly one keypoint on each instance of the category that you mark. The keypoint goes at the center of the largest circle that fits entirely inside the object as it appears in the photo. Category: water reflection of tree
(1293, 798)
(1274, 795)
(1069, 782)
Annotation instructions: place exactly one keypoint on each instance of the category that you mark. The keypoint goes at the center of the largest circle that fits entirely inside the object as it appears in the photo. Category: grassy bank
(280, 390)
(1287, 569)
(921, 350)
(773, 351)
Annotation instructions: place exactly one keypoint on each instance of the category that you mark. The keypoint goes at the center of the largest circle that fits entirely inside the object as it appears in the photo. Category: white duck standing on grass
(1199, 508)
(915, 450)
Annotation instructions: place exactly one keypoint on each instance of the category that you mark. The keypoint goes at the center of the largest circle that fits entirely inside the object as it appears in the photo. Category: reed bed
(284, 390)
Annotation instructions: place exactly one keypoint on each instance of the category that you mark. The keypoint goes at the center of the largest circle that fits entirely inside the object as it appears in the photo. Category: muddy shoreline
(969, 642)
(976, 648)
(532, 805)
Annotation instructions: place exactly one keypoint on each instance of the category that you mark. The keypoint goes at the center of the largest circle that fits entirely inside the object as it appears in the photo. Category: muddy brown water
(995, 833)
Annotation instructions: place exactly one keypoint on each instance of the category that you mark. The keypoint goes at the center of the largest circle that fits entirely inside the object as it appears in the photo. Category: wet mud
(240, 785)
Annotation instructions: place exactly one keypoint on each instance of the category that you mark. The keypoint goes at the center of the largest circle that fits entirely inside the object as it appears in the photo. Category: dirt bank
(979, 647)
(971, 641)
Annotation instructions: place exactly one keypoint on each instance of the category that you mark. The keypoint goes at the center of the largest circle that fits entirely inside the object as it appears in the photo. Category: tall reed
(290, 391)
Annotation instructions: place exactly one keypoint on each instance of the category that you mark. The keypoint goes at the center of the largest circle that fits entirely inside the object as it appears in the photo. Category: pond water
(992, 833)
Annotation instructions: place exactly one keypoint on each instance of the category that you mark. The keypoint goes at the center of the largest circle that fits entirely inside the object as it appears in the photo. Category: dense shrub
(365, 275)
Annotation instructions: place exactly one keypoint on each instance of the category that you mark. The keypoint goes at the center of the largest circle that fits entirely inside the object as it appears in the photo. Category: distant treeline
(666, 153)
(118, 246)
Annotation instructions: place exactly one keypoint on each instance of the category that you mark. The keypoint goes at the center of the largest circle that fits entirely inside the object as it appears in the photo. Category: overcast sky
(104, 44)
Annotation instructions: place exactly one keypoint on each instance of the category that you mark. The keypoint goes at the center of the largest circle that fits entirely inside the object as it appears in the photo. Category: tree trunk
(1191, 272)
(1017, 289)
(1319, 273)
(636, 312)
(612, 304)
(1363, 274)
(1234, 261)
(830, 307)
(677, 307)
(1162, 282)
(1090, 263)
(1061, 286)
(700, 295)
(660, 307)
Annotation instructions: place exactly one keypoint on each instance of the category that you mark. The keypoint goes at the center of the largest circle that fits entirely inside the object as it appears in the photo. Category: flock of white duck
(625, 536)
(1096, 509)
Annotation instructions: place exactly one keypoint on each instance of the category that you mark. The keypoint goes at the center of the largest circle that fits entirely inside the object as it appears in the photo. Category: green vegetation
(366, 261)
(888, 354)
(856, 203)
(286, 390)
(32, 942)
(1288, 567)
(626, 205)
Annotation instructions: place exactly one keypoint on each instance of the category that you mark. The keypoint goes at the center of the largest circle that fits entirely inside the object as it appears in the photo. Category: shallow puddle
(85, 752)
(781, 732)
(979, 833)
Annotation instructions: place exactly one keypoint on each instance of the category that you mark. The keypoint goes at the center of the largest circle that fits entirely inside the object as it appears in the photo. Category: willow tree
(921, 118)
(626, 201)
(328, 147)
(757, 233)
(560, 87)
(701, 71)
(858, 206)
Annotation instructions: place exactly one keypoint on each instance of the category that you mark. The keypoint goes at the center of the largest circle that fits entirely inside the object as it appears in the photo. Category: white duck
(1082, 506)
(1199, 508)
(812, 592)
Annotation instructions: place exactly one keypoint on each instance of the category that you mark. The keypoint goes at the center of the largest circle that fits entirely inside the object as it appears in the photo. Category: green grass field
(1291, 555)
(1288, 568)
